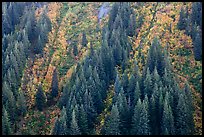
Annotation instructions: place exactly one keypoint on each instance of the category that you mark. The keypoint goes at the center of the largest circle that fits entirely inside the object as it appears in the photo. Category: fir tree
(148, 84)
(182, 115)
(136, 118)
(40, 98)
(84, 40)
(6, 125)
(54, 91)
(83, 122)
(75, 50)
(197, 46)
(167, 119)
(74, 125)
(111, 126)
(182, 20)
(21, 103)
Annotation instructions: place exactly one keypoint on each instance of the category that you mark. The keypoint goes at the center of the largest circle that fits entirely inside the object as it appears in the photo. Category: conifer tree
(21, 103)
(40, 98)
(137, 93)
(182, 20)
(136, 118)
(125, 81)
(117, 85)
(141, 119)
(190, 107)
(148, 84)
(84, 40)
(111, 126)
(131, 88)
(83, 122)
(182, 115)
(167, 119)
(75, 50)
(54, 91)
(144, 128)
(197, 46)
(74, 125)
(56, 129)
(6, 125)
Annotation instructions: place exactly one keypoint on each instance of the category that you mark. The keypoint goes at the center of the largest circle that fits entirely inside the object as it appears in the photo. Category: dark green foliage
(196, 16)
(21, 103)
(140, 124)
(84, 40)
(144, 128)
(156, 57)
(74, 129)
(131, 87)
(55, 130)
(60, 127)
(125, 81)
(10, 105)
(40, 98)
(136, 72)
(6, 124)
(83, 122)
(75, 50)
(54, 91)
(111, 126)
(132, 25)
(167, 119)
(137, 94)
(153, 118)
(136, 118)
(38, 49)
(182, 115)
(123, 109)
(30, 26)
(89, 109)
(197, 46)
(182, 20)
(156, 92)
(148, 84)
(190, 107)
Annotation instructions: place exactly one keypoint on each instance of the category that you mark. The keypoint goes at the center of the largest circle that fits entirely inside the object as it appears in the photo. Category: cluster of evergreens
(150, 102)
(22, 35)
(192, 24)
(143, 104)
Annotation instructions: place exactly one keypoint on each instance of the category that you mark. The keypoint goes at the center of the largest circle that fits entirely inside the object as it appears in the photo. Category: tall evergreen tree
(75, 50)
(125, 81)
(40, 98)
(167, 119)
(136, 118)
(190, 107)
(6, 125)
(197, 46)
(148, 84)
(132, 25)
(56, 129)
(111, 126)
(117, 85)
(182, 115)
(54, 91)
(21, 103)
(74, 125)
(182, 21)
(83, 122)
(84, 40)
(141, 119)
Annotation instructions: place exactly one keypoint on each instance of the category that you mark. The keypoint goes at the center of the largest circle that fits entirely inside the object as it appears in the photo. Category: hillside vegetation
(73, 68)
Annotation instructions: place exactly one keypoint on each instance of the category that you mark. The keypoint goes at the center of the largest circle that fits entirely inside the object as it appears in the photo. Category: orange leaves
(53, 9)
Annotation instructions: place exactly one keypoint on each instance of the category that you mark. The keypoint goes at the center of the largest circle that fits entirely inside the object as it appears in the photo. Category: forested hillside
(101, 68)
